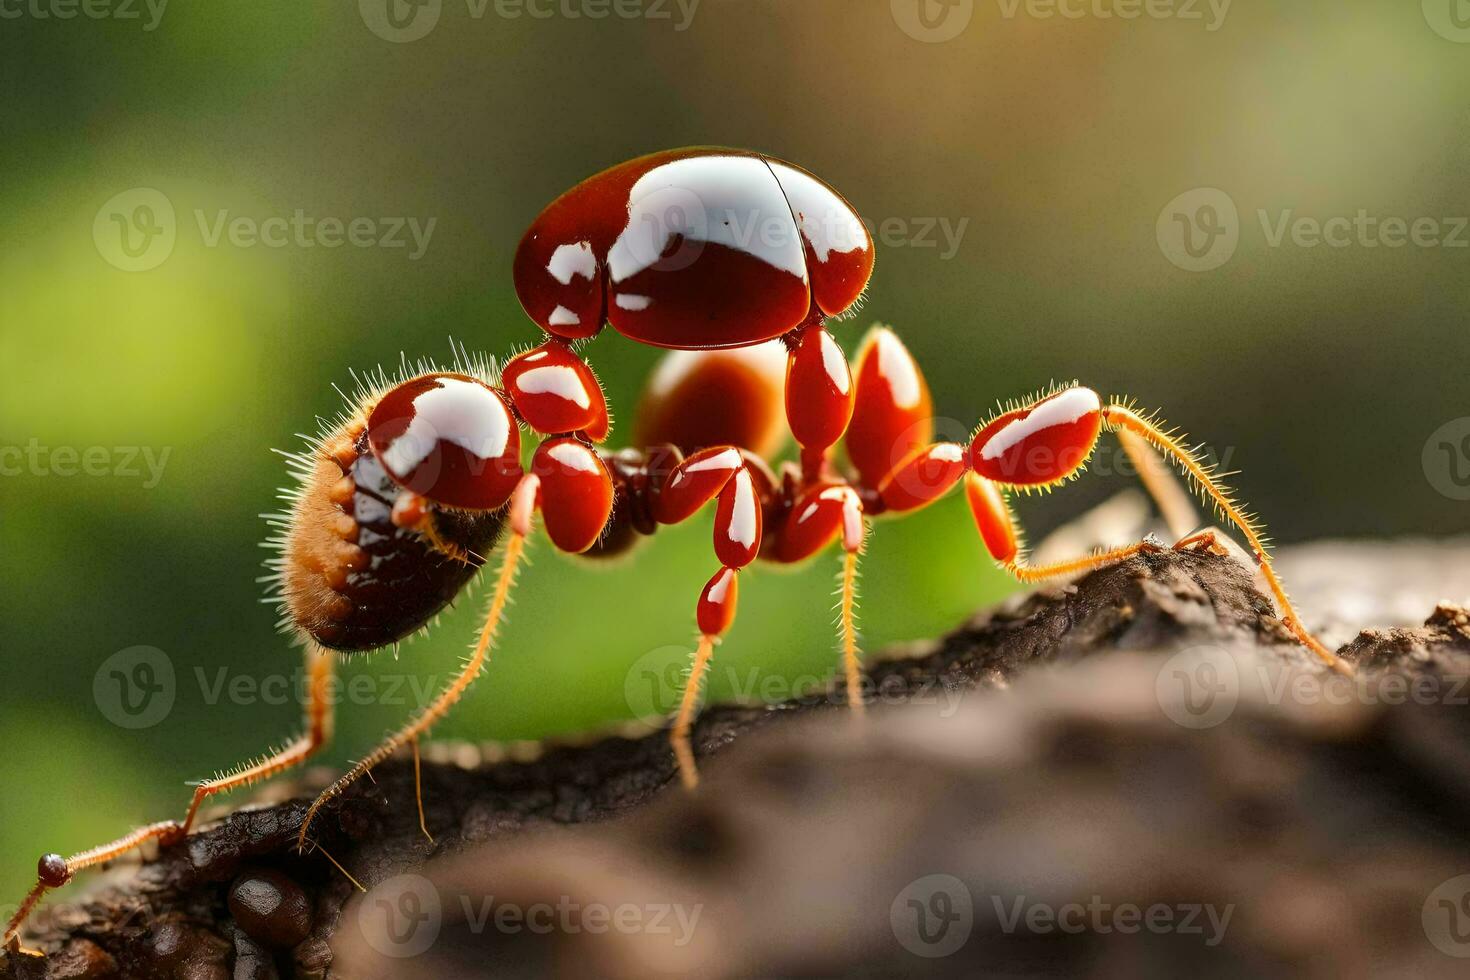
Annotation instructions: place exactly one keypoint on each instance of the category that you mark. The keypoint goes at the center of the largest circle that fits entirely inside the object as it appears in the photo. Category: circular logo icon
(1446, 459)
(135, 230)
(667, 230)
(933, 916)
(1198, 687)
(1199, 230)
(135, 688)
(947, 441)
(932, 21)
(1446, 917)
(400, 21)
(1450, 19)
(401, 917)
(655, 682)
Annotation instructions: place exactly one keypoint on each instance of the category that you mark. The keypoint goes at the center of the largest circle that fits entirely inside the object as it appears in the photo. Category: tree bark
(1050, 790)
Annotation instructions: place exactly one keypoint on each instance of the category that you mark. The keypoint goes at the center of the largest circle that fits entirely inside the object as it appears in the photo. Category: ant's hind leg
(319, 664)
(53, 870)
(571, 486)
(522, 505)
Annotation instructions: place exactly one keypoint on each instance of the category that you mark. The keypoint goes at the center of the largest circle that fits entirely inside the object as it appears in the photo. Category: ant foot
(1202, 541)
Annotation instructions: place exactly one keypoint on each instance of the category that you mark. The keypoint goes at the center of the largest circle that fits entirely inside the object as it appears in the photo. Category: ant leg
(1173, 501)
(741, 490)
(997, 525)
(418, 789)
(1205, 540)
(554, 391)
(318, 731)
(892, 412)
(1120, 418)
(1039, 445)
(715, 613)
(819, 515)
(522, 506)
(819, 398)
(53, 871)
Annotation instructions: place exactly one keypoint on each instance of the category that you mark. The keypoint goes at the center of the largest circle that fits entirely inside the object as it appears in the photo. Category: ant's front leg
(742, 486)
(819, 515)
(53, 870)
(555, 391)
(1048, 441)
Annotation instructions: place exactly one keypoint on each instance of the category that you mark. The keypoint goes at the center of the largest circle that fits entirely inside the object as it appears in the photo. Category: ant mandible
(734, 261)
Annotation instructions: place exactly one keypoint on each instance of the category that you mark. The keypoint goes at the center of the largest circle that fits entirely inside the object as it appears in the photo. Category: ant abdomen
(353, 579)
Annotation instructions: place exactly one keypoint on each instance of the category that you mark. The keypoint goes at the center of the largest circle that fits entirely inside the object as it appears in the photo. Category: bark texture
(1034, 794)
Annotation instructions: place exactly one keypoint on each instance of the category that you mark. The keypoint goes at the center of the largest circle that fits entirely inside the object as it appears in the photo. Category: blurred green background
(1052, 145)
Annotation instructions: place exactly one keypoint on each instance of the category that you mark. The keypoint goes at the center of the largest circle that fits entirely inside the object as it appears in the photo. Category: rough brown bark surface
(1146, 738)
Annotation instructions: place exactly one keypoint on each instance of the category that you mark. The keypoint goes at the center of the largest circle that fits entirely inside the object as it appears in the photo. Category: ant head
(449, 438)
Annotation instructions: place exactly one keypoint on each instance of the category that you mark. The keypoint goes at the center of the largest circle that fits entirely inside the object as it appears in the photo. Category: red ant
(735, 261)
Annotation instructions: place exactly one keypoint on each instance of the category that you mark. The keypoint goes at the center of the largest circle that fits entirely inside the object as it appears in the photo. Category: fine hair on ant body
(401, 499)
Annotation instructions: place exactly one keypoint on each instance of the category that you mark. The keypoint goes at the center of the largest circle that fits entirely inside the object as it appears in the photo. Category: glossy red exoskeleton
(735, 261)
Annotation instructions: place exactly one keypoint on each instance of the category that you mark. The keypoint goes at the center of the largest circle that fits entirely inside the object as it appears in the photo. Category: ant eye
(449, 438)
